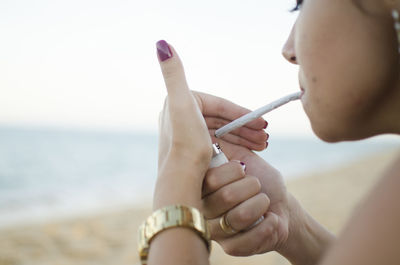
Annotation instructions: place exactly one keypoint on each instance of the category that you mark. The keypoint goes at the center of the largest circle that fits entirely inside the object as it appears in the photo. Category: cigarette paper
(256, 114)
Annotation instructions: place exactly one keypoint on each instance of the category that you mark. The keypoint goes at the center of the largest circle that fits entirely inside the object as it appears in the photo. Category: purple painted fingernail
(266, 124)
(243, 165)
(267, 136)
(163, 50)
(266, 144)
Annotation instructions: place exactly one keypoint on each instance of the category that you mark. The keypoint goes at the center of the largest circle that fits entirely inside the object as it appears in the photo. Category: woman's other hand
(287, 228)
(184, 141)
(230, 193)
(270, 201)
(218, 112)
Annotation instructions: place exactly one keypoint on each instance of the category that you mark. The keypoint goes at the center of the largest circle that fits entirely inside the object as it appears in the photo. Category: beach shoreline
(109, 237)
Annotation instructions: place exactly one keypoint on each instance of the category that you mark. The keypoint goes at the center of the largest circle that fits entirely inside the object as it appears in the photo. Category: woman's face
(348, 66)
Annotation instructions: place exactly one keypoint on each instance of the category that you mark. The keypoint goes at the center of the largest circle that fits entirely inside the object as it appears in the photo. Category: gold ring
(225, 226)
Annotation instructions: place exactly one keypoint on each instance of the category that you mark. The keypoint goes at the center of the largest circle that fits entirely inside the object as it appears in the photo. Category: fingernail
(266, 145)
(266, 124)
(267, 136)
(243, 165)
(163, 50)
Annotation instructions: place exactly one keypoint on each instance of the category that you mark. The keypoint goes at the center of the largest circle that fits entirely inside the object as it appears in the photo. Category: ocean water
(53, 173)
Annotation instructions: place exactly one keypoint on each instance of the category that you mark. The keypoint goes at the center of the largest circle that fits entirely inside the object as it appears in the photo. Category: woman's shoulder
(372, 234)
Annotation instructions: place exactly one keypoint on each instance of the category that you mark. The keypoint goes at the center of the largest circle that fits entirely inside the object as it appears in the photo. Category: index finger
(218, 107)
(222, 175)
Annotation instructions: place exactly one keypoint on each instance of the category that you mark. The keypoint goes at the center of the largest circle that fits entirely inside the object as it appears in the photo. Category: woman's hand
(286, 228)
(184, 142)
(230, 193)
(184, 157)
(272, 203)
(218, 112)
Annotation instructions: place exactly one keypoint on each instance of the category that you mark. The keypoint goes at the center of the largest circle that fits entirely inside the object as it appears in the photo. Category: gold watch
(169, 217)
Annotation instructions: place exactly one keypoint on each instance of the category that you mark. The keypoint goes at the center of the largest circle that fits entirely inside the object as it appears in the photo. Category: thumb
(173, 72)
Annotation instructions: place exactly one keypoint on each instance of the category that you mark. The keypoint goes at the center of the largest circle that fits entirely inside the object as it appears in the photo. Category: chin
(321, 129)
(331, 129)
(329, 137)
(333, 135)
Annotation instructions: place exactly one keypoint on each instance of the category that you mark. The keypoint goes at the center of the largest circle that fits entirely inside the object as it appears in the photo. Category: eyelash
(298, 6)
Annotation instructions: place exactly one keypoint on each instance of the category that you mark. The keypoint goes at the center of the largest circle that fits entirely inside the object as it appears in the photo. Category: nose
(288, 48)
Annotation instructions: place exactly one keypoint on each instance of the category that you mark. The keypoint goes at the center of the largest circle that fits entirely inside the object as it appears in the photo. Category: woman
(348, 56)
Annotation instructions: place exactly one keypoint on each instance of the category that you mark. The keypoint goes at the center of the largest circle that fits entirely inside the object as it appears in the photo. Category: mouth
(302, 91)
(300, 80)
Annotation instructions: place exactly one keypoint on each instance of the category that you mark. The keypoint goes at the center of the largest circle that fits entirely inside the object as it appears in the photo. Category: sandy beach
(110, 237)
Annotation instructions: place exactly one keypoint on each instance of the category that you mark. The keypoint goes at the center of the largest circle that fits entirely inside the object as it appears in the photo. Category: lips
(302, 91)
(300, 78)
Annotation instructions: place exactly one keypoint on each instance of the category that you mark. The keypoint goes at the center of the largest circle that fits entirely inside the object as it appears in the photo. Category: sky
(93, 65)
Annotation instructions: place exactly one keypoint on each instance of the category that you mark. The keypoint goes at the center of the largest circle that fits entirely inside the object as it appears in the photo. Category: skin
(348, 67)
(182, 168)
(359, 47)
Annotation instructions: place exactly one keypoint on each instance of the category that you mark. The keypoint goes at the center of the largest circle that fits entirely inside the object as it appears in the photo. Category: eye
(298, 6)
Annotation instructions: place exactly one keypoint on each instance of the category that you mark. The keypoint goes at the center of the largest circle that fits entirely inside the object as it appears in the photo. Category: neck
(386, 116)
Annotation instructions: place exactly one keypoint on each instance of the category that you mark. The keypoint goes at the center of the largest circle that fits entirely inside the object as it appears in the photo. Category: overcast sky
(93, 64)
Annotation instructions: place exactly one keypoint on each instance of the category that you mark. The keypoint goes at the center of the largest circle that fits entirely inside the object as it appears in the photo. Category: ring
(225, 226)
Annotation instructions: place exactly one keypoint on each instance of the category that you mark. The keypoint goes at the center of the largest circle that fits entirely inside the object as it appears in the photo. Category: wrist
(308, 240)
(177, 187)
(180, 178)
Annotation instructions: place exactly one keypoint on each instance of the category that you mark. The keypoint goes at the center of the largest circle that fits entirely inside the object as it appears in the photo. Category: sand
(110, 237)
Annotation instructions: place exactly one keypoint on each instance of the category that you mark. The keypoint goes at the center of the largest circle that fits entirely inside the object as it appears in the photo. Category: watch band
(169, 217)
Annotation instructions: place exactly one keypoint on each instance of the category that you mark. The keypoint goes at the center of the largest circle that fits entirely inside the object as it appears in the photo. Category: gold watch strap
(169, 217)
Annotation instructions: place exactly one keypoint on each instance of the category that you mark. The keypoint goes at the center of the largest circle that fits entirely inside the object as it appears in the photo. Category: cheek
(344, 71)
(327, 114)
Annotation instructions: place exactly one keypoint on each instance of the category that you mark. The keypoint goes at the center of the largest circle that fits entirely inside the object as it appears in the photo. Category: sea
(47, 174)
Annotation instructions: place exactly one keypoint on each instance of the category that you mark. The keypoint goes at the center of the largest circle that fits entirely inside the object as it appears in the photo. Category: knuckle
(266, 231)
(196, 154)
(255, 183)
(265, 200)
(218, 123)
(220, 106)
(227, 196)
(172, 70)
(212, 182)
(238, 169)
(242, 141)
(244, 216)
(275, 220)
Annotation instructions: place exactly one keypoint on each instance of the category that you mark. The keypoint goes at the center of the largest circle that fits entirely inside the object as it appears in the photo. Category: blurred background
(80, 94)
